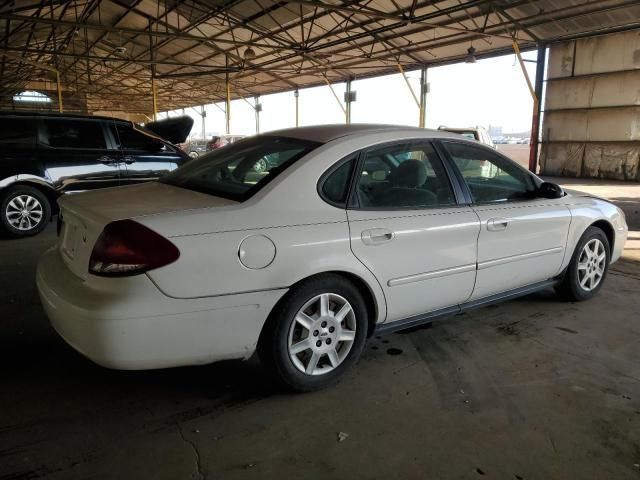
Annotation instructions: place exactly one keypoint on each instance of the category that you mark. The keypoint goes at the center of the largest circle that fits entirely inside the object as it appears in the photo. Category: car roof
(77, 116)
(327, 133)
(460, 129)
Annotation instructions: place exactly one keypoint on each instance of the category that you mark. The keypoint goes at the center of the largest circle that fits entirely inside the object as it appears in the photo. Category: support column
(257, 108)
(59, 87)
(335, 95)
(296, 95)
(154, 92)
(422, 121)
(413, 94)
(537, 108)
(227, 110)
(203, 114)
(347, 100)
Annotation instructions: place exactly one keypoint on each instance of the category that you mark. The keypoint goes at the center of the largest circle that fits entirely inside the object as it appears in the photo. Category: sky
(490, 92)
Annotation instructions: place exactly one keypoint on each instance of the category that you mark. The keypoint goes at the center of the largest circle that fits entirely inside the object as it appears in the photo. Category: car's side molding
(515, 258)
(417, 320)
(429, 275)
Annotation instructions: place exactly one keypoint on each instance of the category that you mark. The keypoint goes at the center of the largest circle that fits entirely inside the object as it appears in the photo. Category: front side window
(63, 133)
(17, 133)
(239, 170)
(490, 177)
(409, 175)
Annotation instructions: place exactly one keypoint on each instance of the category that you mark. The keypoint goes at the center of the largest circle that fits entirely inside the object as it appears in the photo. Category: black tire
(570, 287)
(7, 211)
(273, 346)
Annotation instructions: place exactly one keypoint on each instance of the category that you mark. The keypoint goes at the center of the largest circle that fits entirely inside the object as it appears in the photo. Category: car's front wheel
(588, 267)
(315, 333)
(24, 211)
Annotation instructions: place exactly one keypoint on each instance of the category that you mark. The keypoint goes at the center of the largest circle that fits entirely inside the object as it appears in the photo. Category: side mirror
(550, 190)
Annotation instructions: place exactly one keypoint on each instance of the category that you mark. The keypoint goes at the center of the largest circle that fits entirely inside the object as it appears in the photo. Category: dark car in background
(44, 155)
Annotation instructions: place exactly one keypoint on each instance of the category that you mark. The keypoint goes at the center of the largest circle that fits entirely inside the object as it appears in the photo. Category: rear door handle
(128, 159)
(497, 224)
(376, 236)
(107, 160)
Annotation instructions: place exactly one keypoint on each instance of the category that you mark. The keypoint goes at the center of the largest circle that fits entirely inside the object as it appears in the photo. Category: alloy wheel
(592, 264)
(322, 334)
(260, 166)
(24, 212)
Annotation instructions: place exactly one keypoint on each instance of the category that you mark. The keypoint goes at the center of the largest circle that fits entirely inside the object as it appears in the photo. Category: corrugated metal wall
(591, 124)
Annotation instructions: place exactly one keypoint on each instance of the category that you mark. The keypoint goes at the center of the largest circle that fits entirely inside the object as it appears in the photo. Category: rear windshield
(237, 171)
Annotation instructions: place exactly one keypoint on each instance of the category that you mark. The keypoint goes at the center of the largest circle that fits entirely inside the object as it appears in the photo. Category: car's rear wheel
(24, 210)
(588, 267)
(315, 333)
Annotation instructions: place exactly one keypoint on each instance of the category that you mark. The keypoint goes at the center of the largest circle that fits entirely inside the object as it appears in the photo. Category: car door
(409, 230)
(74, 154)
(522, 237)
(144, 157)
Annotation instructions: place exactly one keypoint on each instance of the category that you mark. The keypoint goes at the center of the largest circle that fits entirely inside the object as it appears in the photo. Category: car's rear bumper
(127, 323)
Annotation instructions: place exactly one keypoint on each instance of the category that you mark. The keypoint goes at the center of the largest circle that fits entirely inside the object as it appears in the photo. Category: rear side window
(17, 133)
(239, 170)
(406, 175)
(127, 138)
(63, 133)
(335, 187)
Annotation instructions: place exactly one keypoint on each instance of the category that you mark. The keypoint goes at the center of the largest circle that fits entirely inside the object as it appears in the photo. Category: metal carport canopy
(108, 51)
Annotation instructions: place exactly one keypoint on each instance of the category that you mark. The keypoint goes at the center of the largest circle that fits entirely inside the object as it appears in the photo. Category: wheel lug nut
(316, 333)
(318, 343)
(324, 324)
(328, 341)
(332, 329)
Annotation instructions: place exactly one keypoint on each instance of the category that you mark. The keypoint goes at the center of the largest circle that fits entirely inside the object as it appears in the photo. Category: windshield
(237, 171)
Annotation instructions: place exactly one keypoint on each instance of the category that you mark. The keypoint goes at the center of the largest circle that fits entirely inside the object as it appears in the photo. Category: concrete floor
(535, 388)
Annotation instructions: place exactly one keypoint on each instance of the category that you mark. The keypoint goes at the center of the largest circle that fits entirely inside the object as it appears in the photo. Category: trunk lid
(175, 130)
(85, 215)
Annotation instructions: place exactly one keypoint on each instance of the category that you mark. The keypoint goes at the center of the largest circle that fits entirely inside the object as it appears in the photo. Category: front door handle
(128, 159)
(376, 236)
(107, 160)
(497, 224)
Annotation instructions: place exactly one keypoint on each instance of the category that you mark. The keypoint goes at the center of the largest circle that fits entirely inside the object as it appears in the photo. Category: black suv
(43, 155)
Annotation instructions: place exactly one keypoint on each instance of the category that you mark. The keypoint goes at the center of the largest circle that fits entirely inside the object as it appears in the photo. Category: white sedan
(350, 231)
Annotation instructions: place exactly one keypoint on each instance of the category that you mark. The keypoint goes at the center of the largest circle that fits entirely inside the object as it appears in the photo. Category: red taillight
(128, 248)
